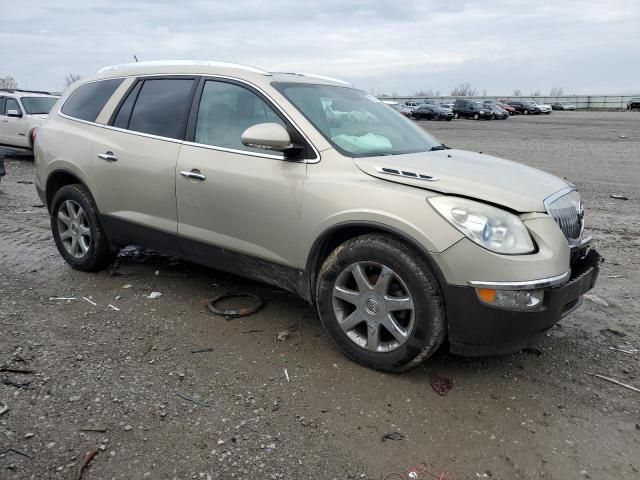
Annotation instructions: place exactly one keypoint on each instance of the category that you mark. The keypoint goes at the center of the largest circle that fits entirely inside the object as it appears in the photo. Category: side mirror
(13, 113)
(267, 136)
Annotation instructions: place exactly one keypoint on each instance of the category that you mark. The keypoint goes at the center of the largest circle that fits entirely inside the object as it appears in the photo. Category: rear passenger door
(246, 200)
(134, 162)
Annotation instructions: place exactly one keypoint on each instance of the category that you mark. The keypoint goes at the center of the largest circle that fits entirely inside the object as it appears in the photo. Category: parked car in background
(406, 111)
(525, 107)
(431, 112)
(508, 108)
(634, 104)
(399, 242)
(470, 109)
(411, 103)
(546, 109)
(563, 106)
(498, 112)
(447, 105)
(21, 111)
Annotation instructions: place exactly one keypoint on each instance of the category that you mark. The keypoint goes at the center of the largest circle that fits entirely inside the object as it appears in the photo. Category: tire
(449, 119)
(90, 251)
(525, 112)
(422, 328)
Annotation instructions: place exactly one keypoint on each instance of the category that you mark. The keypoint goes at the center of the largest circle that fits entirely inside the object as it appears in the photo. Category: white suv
(21, 111)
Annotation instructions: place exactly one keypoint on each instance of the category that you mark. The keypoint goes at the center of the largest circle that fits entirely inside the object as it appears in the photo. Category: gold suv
(310, 184)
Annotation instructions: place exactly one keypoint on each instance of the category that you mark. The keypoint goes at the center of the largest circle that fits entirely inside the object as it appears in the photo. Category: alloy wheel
(373, 306)
(73, 229)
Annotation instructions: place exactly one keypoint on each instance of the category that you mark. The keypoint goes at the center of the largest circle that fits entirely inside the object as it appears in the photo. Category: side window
(87, 101)
(226, 110)
(161, 107)
(11, 104)
(2, 105)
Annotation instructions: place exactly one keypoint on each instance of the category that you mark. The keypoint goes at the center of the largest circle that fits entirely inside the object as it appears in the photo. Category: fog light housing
(511, 299)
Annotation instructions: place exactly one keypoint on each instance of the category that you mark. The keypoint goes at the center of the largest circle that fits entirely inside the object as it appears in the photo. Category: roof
(211, 67)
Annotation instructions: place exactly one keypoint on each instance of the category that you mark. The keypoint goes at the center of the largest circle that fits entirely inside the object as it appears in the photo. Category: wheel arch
(58, 179)
(340, 233)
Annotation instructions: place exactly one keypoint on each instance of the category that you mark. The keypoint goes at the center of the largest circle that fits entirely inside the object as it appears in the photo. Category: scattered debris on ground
(244, 311)
(617, 382)
(395, 436)
(441, 385)
(88, 458)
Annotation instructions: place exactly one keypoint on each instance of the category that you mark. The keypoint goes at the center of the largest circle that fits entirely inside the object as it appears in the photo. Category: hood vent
(407, 174)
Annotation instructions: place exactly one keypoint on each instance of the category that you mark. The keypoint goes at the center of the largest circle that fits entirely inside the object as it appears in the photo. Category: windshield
(355, 123)
(38, 105)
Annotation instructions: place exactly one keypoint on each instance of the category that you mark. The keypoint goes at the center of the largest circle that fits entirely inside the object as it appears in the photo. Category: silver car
(400, 242)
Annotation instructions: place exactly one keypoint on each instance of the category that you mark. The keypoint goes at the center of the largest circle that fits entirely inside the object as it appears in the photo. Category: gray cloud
(384, 45)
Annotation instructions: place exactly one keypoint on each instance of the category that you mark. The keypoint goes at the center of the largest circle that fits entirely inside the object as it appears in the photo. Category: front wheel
(77, 231)
(380, 302)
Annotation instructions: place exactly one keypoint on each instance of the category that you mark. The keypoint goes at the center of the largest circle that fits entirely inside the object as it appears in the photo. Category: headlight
(481, 112)
(490, 227)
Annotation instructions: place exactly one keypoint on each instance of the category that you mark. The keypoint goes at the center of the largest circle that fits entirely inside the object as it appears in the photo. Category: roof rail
(192, 63)
(22, 90)
(321, 77)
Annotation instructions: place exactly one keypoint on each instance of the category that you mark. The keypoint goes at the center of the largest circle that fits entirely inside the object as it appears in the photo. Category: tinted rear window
(161, 107)
(87, 101)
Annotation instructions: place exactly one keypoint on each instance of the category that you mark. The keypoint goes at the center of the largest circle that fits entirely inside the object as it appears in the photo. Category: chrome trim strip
(233, 150)
(401, 173)
(553, 197)
(524, 285)
(585, 241)
(212, 147)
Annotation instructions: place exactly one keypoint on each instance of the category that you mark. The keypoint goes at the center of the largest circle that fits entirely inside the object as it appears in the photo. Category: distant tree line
(465, 89)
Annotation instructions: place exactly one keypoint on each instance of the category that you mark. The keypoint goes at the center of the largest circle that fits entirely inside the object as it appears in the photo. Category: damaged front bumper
(478, 328)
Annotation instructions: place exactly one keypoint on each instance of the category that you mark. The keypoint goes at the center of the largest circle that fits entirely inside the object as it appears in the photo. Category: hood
(474, 175)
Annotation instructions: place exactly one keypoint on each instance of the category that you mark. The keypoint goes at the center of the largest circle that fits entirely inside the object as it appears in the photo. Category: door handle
(195, 174)
(109, 157)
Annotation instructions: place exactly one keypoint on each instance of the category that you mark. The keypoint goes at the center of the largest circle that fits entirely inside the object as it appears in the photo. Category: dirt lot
(132, 384)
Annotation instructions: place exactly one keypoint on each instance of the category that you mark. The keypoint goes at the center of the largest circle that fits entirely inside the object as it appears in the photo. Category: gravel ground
(161, 389)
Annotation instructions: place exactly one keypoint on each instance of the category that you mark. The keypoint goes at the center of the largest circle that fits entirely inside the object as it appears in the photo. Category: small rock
(282, 336)
(128, 427)
(221, 442)
(154, 295)
(75, 398)
(28, 435)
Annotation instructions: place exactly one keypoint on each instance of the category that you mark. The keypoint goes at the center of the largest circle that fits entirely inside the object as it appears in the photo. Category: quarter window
(161, 107)
(87, 101)
(226, 110)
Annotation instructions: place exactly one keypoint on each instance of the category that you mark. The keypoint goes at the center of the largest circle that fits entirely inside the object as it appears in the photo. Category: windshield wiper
(438, 147)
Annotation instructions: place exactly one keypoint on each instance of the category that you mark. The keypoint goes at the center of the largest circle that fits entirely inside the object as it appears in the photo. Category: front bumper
(477, 329)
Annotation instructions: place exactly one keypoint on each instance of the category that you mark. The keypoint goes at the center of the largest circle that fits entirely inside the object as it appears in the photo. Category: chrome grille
(566, 209)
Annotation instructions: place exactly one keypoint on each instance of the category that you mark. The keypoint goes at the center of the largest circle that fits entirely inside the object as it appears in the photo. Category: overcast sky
(386, 46)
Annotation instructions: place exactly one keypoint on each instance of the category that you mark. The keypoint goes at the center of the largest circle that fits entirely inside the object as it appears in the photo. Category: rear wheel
(380, 302)
(77, 231)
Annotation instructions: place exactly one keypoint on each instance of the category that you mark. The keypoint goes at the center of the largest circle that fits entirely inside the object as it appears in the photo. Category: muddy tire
(77, 231)
(381, 303)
